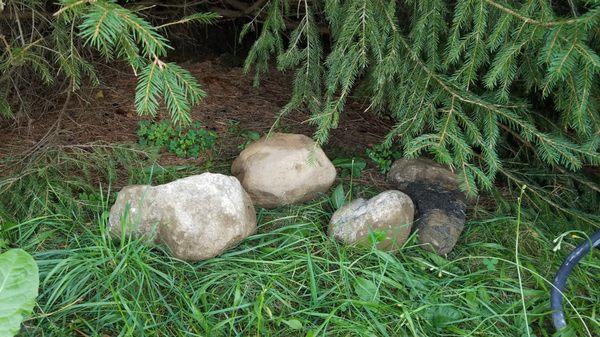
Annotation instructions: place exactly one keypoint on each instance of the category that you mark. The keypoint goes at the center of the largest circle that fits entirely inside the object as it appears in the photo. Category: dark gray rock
(439, 204)
(439, 230)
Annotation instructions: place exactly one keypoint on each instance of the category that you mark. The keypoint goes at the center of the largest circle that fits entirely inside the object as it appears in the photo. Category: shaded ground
(107, 114)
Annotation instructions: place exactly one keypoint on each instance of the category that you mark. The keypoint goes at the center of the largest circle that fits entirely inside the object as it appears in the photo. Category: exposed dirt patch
(107, 114)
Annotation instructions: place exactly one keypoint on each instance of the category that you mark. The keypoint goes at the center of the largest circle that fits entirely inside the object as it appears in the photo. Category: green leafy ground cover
(289, 279)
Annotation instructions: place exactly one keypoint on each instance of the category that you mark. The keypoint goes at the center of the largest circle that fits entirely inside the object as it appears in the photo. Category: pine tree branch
(540, 193)
(526, 19)
(205, 17)
(241, 9)
(73, 5)
(528, 128)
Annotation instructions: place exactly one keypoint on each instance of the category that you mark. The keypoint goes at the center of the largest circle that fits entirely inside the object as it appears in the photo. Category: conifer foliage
(56, 44)
(463, 80)
(460, 78)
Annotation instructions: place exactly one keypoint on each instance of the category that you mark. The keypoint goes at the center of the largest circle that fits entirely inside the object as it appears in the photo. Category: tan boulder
(283, 169)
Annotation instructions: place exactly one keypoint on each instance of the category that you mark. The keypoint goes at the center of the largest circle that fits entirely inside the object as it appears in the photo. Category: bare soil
(107, 114)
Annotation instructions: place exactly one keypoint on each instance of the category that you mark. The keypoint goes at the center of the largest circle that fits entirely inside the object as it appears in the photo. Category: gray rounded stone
(388, 217)
(134, 213)
(439, 231)
(405, 171)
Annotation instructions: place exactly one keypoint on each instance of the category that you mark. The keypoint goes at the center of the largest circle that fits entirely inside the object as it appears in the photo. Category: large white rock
(197, 217)
(283, 169)
(387, 216)
(135, 213)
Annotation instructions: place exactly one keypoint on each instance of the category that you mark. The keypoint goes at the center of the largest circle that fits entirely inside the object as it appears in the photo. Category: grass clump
(289, 279)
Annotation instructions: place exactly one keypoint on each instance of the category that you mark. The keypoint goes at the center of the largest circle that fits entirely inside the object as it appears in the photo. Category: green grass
(289, 279)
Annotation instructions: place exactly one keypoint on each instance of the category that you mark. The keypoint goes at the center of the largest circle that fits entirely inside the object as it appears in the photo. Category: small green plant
(383, 156)
(92, 200)
(19, 282)
(338, 197)
(184, 141)
(248, 136)
(350, 166)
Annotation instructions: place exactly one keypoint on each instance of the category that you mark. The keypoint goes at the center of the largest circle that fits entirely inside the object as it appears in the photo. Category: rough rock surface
(197, 217)
(134, 211)
(440, 205)
(440, 230)
(283, 169)
(390, 213)
(405, 171)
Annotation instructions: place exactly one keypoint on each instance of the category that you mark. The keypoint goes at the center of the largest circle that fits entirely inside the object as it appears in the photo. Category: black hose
(560, 280)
